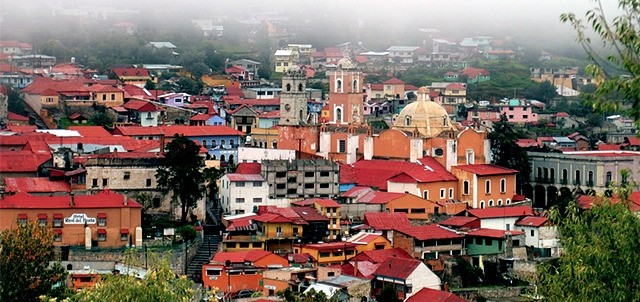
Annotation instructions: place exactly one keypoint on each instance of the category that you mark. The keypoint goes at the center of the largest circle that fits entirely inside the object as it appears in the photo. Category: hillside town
(321, 169)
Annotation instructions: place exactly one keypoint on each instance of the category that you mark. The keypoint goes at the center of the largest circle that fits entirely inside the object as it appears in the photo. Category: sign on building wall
(79, 219)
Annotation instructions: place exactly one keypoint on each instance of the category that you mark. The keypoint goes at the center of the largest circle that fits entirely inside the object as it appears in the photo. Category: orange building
(328, 253)
(485, 185)
(236, 271)
(414, 206)
(106, 219)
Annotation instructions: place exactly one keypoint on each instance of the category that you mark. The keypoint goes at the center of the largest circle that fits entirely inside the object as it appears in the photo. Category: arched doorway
(539, 200)
(552, 196)
(527, 191)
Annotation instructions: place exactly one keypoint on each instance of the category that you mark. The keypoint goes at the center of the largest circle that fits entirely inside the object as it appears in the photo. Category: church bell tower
(293, 99)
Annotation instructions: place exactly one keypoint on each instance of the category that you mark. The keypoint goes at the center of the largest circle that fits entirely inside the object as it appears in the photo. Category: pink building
(519, 112)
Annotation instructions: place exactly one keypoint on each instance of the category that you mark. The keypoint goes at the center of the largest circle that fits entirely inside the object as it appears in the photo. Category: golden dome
(425, 116)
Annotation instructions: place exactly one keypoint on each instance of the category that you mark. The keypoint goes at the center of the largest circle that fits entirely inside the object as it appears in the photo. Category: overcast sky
(520, 18)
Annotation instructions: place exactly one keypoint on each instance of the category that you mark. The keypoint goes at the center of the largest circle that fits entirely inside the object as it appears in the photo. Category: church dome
(425, 116)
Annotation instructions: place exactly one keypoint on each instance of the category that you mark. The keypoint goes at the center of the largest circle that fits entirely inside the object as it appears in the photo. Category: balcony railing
(577, 182)
(589, 183)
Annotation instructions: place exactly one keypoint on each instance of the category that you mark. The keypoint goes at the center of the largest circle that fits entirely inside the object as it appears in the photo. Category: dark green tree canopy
(25, 274)
(182, 173)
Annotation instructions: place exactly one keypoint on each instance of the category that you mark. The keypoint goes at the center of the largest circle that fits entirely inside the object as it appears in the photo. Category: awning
(102, 231)
(58, 231)
(124, 231)
(102, 215)
(57, 216)
(22, 216)
(42, 216)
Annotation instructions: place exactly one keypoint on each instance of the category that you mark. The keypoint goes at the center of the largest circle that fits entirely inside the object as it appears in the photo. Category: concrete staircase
(209, 247)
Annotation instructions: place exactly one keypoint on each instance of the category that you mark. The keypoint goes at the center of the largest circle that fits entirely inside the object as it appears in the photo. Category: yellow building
(366, 241)
(328, 253)
(279, 230)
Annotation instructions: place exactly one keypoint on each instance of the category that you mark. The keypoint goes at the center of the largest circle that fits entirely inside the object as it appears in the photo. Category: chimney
(72, 201)
(126, 200)
(162, 144)
(355, 267)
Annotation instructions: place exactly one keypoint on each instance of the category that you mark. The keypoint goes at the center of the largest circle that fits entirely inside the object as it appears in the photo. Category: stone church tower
(293, 99)
(4, 107)
(346, 97)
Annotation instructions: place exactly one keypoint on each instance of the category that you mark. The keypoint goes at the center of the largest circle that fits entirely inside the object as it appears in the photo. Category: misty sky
(455, 18)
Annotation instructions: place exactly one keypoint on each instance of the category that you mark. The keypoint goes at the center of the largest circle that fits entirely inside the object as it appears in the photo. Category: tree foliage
(25, 274)
(544, 92)
(160, 283)
(101, 119)
(600, 258)
(506, 152)
(388, 294)
(618, 66)
(182, 174)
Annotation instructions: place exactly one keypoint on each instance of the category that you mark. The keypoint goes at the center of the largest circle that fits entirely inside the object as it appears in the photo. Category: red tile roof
(22, 161)
(248, 168)
(244, 177)
(456, 86)
(103, 199)
(561, 114)
(434, 295)
(326, 202)
(301, 258)
(498, 212)
(535, 221)
(347, 175)
(491, 233)
(386, 220)
(378, 197)
(140, 106)
(586, 201)
(21, 128)
(376, 86)
(486, 169)
(241, 224)
(375, 173)
(393, 81)
(16, 117)
(429, 232)
(270, 114)
(35, 185)
(130, 71)
(410, 87)
(331, 246)
(356, 192)
(309, 214)
(473, 73)
(170, 130)
(609, 147)
(397, 268)
(91, 131)
(254, 102)
(240, 257)
(458, 221)
(378, 256)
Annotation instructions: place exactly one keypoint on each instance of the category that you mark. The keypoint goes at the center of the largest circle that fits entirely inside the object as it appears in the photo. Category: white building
(500, 218)
(257, 155)
(539, 234)
(244, 193)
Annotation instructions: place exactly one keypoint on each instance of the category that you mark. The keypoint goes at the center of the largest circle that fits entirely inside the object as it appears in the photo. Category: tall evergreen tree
(182, 174)
(507, 153)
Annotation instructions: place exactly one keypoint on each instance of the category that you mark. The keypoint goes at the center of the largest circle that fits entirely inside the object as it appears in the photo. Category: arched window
(407, 120)
(490, 202)
(231, 143)
(213, 143)
(425, 194)
(465, 187)
(288, 87)
(503, 185)
(222, 158)
(499, 202)
(565, 176)
(204, 143)
(552, 174)
(222, 144)
(214, 157)
(482, 204)
(339, 115)
(487, 186)
(355, 86)
(539, 172)
(508, 201)
(339, 85)
(300, 87)
(577, 178)
(590, 178)
(545, 173)
(609, 178)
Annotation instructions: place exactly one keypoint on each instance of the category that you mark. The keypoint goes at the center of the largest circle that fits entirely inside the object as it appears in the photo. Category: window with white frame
(239, 200)
(443, 193)
(503, 185)
(465, 187)
(487, 186)
(425, 194)
(450, 193)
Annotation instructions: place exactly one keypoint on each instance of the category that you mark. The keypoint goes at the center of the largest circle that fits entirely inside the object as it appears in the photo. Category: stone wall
(490, 293)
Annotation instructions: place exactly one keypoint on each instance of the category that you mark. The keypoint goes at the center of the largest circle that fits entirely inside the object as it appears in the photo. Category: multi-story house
(284, 59)
(428, 242)
(402, 54)
(231, 272)
(485, 185)
(485, 242)
(404, 275)
(519, 112)
(301, 178)
(142, 112)
(328, 208)
(500, 218)
(243, 193)
(106, 219)
(132, 75)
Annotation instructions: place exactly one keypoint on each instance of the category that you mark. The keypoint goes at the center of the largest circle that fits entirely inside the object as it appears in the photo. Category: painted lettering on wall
(79, 219)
